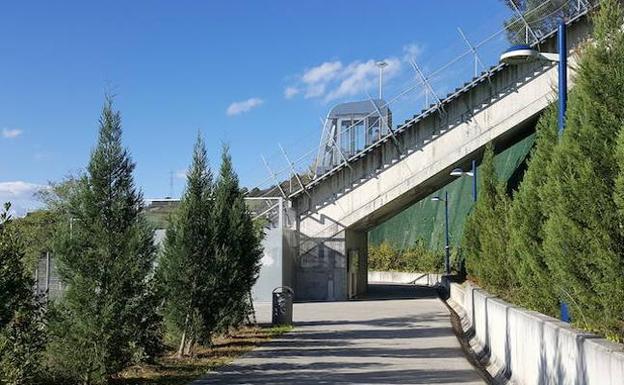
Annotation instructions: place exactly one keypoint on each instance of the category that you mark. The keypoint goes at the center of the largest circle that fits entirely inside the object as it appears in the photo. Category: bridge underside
(336, 212)
(337, 268)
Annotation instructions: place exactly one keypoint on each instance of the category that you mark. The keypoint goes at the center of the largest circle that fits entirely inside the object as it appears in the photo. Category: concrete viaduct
(335, 211)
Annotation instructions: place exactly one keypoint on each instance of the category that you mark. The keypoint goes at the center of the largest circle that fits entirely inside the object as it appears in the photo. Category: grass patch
(172, 371)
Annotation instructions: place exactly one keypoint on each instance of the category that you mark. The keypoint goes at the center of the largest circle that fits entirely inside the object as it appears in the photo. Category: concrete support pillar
(356, 243)
(321, 269)
(332, 268)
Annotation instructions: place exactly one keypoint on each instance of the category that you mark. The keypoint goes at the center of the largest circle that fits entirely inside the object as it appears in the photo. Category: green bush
(416, 258)
(22, 334)
(485, 239)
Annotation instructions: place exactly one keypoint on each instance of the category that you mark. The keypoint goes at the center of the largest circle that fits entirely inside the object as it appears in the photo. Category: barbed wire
(303, 156)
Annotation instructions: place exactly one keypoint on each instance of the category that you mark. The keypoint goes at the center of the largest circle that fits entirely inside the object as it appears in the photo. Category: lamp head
(519, 54)
(436, 199)
(457, 172)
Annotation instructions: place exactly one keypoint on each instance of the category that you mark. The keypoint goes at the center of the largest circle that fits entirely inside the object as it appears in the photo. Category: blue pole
(447, 247)
(565, 313)
(563, 74)
(474, 180)
(563, 104)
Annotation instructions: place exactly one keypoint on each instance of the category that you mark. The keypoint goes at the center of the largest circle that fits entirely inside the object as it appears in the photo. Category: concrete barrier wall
(424, 279)
(530, 348)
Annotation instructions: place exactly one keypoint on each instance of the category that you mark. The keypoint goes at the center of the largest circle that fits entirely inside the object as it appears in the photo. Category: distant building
(349, 129)
(277, 262)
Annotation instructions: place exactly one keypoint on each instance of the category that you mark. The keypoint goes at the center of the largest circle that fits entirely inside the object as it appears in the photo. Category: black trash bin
(282, 305)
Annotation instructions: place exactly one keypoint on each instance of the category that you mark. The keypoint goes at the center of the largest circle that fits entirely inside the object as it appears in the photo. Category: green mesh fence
(424, 220)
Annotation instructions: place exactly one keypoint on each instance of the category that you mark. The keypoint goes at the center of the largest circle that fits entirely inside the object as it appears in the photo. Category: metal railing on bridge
(292, 169)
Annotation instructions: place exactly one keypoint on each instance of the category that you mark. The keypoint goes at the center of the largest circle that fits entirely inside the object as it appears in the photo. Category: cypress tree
(237, 245)
(21, 319)
(14, 284)
(485, 235)
(582, 236)
(187, 271)
(527, 218)
(106, 257)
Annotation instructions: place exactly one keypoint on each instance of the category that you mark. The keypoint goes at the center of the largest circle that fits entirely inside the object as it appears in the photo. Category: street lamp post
(447, 246)
(563, 74)
(472, 173)
(525, 53)
(381, 65)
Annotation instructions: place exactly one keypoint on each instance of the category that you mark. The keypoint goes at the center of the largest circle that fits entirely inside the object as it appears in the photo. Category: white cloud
(11, 133)
(333, 80)
(316, 79)
(21, 195)
(412, 51)
(359, 77)
(322, 73)
(181, 174)
(238, 108)
(290, 92)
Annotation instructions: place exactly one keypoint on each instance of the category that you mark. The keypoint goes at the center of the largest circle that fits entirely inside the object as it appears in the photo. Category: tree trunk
(183, 340)
(188, 350)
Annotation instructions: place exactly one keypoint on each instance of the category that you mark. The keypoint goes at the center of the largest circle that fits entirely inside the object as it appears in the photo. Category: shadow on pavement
(390, 291)
(327, 373)
(355, 342)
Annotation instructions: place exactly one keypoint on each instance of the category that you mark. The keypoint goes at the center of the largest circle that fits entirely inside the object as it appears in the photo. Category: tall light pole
(381, 65)
(447, 246)
(472, 173)
(563, 74)
(523, 53)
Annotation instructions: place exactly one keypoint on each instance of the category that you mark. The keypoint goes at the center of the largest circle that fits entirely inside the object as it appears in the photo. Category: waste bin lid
(283, 289)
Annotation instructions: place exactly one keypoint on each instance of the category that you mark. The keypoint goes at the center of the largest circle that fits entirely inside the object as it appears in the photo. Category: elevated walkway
(334, 213)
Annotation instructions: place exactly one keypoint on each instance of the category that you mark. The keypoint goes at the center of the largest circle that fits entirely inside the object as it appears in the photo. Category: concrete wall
(271, 270)
(400, 277)
(279, 252)
(530, 348)
(391, 176)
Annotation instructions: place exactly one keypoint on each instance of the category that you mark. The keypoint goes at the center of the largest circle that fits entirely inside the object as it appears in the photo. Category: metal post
(380, 83)
(337, 147)
(280, 217)
(477, 60)
(447, 247)
(563, 103)
(427, 84)
(563, 75)
(37, 276)
(47, 286)
(292, 169)
(474, 180)
(381, 64)
(275, 180)
(384, 121)
(526, 24)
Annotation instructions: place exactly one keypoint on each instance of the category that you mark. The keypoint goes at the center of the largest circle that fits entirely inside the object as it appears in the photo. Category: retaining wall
(519, 346)
(400, 277)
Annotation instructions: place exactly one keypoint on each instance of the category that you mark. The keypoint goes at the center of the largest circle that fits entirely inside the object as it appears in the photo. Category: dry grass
(171, 371)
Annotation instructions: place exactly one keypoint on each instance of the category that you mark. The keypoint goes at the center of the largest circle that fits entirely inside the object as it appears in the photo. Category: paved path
(399, 341)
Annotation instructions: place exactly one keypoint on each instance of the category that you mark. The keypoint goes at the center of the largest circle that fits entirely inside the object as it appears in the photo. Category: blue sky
(247, 73)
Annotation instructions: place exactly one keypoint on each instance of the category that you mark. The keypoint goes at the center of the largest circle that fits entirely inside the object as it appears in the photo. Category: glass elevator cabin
(349, 129)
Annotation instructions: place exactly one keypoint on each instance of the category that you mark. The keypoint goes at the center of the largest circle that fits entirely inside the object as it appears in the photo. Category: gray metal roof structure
(365, 107)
